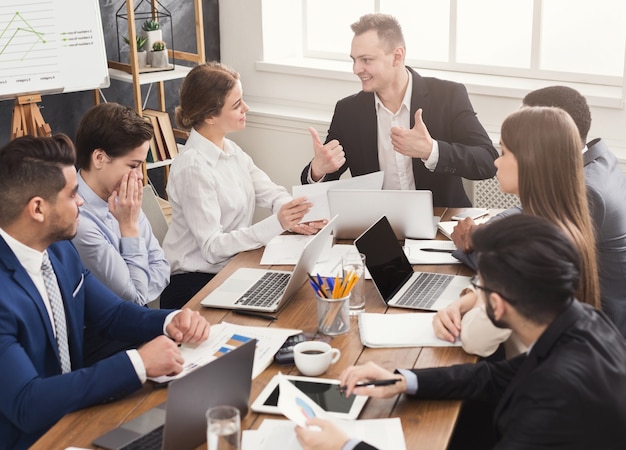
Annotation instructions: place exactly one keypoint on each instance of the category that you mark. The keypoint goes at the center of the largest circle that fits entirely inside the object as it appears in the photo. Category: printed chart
(44, 49)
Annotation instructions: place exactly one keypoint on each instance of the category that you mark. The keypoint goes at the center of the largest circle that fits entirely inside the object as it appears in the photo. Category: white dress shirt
(213, 194)
(397, 168)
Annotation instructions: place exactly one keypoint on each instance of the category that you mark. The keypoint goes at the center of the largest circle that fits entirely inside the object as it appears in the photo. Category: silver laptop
(410, 213)
(393, 275)
(180, 423)
(269, 290)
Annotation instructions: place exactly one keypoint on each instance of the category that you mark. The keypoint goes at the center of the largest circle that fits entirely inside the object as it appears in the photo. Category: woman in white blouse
(214, 187)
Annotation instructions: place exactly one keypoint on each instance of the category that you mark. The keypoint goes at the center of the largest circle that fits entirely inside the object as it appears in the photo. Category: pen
(373, 383)
(318, 287)
(243, 312)
(436, 250)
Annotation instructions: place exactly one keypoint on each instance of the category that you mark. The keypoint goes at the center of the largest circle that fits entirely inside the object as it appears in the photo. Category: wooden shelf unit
(130, 73)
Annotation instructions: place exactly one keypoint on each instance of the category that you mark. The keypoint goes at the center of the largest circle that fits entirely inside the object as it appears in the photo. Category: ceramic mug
(313, 358)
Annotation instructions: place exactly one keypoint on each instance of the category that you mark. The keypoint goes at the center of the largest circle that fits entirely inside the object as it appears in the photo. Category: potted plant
(151, 30)
(158, 55)
(142, 54)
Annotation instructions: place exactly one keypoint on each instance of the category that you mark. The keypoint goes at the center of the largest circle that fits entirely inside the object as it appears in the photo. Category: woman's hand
(125, 205)
(291, 213)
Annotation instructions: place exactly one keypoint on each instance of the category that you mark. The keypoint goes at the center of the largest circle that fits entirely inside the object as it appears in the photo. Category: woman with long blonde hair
(545, 144)
(542, 163)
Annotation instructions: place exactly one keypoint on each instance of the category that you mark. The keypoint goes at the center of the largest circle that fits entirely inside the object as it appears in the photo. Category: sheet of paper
(384, 434)
(225, 337)
(331, 266)
(286, 249)
(295, 404)
(316, 193)
(400, 330)
(437, 251)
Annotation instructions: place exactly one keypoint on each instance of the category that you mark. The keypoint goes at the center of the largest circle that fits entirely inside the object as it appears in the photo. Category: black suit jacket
(465, 149)
(569, 392)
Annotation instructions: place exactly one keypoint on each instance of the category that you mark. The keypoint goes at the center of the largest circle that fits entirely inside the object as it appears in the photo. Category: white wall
(285, 101)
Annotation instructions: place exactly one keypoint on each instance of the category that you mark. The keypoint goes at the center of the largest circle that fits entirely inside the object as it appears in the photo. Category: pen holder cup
(333, 315)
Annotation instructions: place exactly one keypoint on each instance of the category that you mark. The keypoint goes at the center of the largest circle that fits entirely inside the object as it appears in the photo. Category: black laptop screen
(384, 257)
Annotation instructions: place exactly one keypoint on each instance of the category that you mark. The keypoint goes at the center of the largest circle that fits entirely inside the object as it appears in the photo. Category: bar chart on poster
(51, 46)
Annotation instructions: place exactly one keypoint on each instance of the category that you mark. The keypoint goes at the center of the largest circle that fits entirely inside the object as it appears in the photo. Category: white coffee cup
(313, 358)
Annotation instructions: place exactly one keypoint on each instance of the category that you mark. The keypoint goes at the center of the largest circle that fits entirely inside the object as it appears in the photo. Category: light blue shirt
(134, 268)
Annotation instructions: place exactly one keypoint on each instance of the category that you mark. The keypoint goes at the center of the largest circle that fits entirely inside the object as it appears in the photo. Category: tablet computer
(323, 391)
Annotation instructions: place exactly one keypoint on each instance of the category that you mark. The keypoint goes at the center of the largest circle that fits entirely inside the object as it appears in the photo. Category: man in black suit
(421, 132)
(567, 392)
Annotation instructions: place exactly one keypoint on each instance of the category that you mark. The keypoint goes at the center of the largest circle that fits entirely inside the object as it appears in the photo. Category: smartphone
(474, 213)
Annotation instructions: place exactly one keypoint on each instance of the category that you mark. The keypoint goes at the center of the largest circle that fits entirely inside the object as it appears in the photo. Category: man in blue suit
(43, 313)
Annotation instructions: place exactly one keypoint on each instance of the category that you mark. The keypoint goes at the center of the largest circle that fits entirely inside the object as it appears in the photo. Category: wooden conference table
(426, 424)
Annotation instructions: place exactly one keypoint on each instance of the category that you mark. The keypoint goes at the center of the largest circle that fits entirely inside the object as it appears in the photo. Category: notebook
(410, 213)
(393, 275)
(269, 290)
(180, 422)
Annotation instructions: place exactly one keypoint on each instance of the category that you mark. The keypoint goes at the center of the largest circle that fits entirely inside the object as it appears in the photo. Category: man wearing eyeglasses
(568, 391)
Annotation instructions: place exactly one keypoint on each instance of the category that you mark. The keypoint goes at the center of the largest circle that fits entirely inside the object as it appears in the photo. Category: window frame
(533, 72)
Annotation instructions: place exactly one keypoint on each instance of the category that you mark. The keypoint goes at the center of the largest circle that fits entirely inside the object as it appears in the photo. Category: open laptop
(180, 423)
(393, 275)
(410, 213)
(269, 290)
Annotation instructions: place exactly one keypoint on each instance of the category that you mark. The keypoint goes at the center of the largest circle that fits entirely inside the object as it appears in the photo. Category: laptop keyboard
(425, 290)
(150, 441)
(266, 291)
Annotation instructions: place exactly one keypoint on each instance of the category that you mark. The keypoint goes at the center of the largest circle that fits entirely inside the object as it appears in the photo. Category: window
(568, 40)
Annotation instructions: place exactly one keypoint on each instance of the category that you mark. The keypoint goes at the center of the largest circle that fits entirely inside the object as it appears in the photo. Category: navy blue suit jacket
(35, 395)
(465, 149)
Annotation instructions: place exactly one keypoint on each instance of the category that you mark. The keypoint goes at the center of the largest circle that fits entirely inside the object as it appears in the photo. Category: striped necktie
(58, 312)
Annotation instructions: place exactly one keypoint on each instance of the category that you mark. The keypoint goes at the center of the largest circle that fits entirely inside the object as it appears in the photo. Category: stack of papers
(400, 330)
(384, 434)
(225, 337)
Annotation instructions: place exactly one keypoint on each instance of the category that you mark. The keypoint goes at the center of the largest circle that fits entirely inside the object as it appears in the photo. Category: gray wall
(63, 111)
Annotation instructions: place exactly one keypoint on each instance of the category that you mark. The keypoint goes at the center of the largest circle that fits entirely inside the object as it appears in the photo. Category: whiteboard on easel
(51, 46)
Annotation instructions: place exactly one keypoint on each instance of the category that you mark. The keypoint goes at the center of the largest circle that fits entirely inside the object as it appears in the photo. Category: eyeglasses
(474, 282)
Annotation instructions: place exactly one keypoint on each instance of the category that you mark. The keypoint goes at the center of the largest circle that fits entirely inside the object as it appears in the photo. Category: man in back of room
(421, 132)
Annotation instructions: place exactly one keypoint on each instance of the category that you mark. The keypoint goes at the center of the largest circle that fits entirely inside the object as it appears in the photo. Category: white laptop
(180, 423)
(393, 275)
(410, 213)
(269, 290)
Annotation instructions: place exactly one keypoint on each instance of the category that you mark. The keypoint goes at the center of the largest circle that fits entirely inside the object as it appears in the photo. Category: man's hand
(161, 356)
(125, 205)
(291, 214)
(326, 435)
(328, 158)
(188, 327)
(369, 372)
(447, 322)
(462, 234)
(415, 142)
